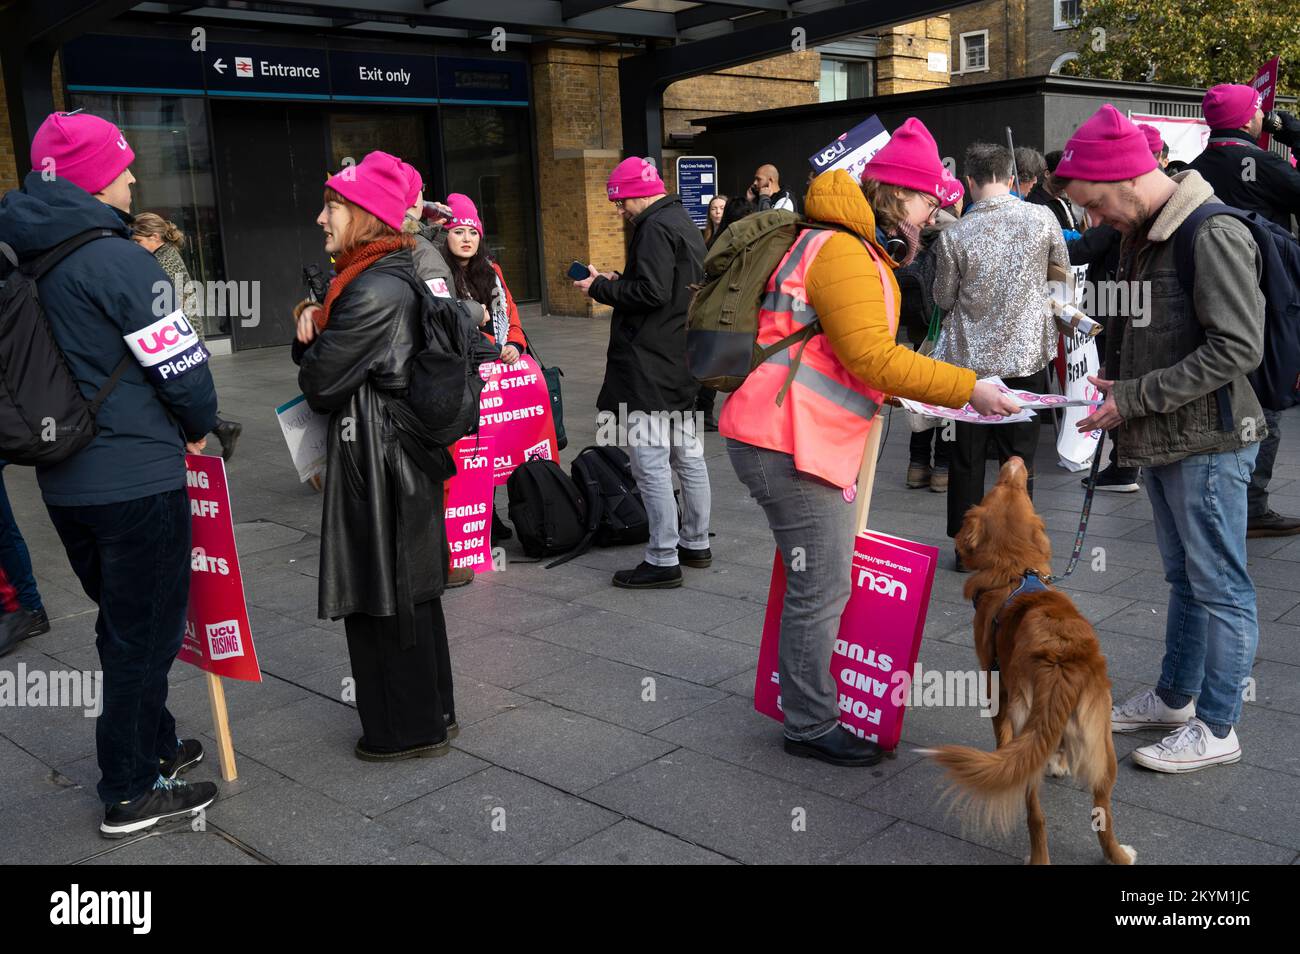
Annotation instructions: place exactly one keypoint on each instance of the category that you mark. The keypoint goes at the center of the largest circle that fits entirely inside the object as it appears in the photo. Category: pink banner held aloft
(218, 638)
(468, 507)
(1265, 83)
(515, 411)
(878, 640)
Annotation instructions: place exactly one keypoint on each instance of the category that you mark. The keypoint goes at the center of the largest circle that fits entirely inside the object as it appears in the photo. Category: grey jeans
(660, 445)
(813, 526)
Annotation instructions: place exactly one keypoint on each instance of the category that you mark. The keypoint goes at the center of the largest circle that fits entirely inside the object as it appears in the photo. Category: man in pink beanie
(1177, 362)
(87, 151)
(648, 393)
(1260, 181)
(119, 503)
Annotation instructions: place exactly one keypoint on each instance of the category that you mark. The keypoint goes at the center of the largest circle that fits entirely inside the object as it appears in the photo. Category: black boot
(499, 529)
(647, 576)
(227, 433)
(839, 746)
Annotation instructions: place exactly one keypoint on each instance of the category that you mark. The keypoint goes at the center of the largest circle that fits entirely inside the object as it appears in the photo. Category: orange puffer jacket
(845, 291)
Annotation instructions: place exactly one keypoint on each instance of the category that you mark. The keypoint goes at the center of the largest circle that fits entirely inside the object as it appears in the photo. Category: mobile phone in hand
(578, 271)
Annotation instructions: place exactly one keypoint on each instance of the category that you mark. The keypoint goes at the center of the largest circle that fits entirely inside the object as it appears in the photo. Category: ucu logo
(165, 336)
(880, 583)
(1067, 156)
(830, 154)
(121, 143)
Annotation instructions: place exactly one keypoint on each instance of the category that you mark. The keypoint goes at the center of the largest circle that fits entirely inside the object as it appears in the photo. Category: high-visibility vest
(826, 415)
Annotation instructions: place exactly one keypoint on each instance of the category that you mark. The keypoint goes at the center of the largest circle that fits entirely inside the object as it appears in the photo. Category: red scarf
(352, 263)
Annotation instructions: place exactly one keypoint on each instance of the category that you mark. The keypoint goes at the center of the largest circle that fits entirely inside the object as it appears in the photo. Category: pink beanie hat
(911, 159)
(956, 194)
(1155, 143)
(1230, 105)
(87, 151)
(414, 183)
(1106, 148)
(378, 184)
(634, 178)
(463, 212)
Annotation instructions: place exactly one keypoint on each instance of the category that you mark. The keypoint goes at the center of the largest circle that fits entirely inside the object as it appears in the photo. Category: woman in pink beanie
(479, 278)
(383, 539)
(799, 450)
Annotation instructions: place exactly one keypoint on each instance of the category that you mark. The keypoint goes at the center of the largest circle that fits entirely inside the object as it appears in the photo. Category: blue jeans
(133, 560)
(813, 527)
(1257, 493)
(14, 558)
(1199, 505)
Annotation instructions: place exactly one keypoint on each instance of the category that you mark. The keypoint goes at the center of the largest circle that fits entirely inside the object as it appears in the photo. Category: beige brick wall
(773, 83)
(1022, 40)
(902, 64)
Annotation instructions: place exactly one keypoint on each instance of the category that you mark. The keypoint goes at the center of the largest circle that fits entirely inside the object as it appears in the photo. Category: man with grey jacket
(1186, 413)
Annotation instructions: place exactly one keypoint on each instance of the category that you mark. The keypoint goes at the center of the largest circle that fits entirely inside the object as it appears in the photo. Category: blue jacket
(93, 299)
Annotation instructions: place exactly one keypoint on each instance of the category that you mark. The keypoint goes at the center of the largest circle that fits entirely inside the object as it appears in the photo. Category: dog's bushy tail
(995, 782)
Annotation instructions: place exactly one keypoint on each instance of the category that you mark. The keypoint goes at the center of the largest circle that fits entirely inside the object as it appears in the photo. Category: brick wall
(1022, 40)
(902, 65)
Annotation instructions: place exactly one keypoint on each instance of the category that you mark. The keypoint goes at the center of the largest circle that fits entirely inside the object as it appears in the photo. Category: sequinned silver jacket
(991, 279)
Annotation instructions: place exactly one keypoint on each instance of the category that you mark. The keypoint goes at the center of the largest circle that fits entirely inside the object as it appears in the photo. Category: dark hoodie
(92, 299)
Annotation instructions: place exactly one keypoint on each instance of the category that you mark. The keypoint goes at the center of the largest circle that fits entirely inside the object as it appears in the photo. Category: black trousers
(969, 449)
(133, 560)
(921, 443)
(404, 696)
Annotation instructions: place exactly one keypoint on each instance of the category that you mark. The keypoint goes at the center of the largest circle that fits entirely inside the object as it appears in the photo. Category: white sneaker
(1146, 710)
(1191, 748)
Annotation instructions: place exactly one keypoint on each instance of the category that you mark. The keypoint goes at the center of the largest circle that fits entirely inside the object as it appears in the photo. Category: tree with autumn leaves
(1188, 42)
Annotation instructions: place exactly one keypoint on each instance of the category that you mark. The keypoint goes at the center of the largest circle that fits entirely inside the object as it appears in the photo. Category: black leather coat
(383, 541)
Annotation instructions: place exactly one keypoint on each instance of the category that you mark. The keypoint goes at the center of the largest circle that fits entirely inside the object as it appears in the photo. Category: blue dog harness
(1029, 583)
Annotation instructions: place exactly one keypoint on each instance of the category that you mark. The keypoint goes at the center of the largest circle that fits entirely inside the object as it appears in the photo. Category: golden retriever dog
(1053, 695)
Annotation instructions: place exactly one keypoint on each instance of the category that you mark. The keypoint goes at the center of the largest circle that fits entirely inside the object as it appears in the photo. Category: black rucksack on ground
(44, 418)
(612, 512)
(547, 509)
(615, 513)
(1277, 379)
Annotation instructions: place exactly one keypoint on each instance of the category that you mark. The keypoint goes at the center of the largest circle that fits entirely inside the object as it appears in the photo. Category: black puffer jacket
(645, 367)
(383, 542)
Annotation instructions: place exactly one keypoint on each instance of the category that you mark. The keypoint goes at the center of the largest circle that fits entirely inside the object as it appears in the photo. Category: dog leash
(1083, 518)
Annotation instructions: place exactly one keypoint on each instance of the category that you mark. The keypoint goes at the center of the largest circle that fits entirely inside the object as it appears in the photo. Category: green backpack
(722, 323)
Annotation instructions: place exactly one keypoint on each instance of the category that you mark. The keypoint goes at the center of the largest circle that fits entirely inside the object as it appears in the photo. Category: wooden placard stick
(221, 727)
(867, 475)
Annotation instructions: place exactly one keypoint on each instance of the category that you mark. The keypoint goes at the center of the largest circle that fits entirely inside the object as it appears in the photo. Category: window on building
(847, 79)
(1065, 14)
(974, 51)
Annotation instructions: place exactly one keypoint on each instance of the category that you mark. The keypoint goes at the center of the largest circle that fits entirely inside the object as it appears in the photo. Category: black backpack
(1277, 379)
(44, 418)
(444, 385)
(615, 513)
(547, 509)
(441, 401)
